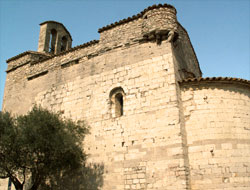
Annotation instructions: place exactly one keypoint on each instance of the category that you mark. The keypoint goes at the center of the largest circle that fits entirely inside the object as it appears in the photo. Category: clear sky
(219, 29)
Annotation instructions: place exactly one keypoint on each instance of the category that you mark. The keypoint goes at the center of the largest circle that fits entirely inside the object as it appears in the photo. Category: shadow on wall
(86, 178)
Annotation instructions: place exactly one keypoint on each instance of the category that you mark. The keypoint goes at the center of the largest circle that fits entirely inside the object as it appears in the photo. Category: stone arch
(116, 97)
(52, 41)
(64, 42)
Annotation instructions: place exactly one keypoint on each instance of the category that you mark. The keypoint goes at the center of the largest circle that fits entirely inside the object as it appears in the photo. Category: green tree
(84, 178)
(39, 145)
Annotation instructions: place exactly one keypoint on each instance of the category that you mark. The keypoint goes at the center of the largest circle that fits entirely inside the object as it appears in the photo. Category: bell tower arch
(54, 38)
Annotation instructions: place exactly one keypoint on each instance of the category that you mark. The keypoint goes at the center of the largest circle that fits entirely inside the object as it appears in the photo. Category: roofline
(134, 17)
(99, 30)
(52, 21)
(84, 45)
(215, 79)
(53, 55)
(26, 53)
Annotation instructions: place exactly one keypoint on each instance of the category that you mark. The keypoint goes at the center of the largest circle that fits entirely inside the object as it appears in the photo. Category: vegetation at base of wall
(41, 147)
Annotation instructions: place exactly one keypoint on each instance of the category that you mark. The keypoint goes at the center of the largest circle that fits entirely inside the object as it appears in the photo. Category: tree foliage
(87, 177)
(36, 147)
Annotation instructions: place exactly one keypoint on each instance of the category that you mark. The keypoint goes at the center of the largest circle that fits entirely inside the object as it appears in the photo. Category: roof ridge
(99, 30)
(86, 44)
(25, 53)
(215, 79)
(134, 17)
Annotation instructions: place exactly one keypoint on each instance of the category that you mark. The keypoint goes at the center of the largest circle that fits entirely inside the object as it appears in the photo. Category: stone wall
(3, 184)
(171, 134)
(122, 34)
(218, 135)
(135, 153)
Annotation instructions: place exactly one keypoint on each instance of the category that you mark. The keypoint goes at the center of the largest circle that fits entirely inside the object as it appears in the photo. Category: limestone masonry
(156, 124)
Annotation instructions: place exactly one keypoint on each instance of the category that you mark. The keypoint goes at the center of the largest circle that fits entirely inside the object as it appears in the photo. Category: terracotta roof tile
(93, 41)
(134, 17)
(70, 50)
(213, 79)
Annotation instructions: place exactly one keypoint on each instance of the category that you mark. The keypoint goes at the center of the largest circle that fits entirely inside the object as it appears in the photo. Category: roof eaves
(26, 53)
(70, 50)
(134, 17)
(215, 79)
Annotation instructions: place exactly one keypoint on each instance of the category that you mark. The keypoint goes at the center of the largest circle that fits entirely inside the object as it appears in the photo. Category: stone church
(156, 124)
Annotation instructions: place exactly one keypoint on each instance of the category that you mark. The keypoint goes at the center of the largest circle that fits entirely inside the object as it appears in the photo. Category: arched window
(118, 104)
(52, 41)
(64, 43)
(116, 100)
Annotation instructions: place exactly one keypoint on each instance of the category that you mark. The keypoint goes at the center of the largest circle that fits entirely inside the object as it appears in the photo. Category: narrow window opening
(52, 42)
(63, 43)
(117, 100)
(118, 105)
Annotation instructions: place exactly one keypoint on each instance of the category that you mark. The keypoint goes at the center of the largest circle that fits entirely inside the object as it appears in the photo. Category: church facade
(156, 124)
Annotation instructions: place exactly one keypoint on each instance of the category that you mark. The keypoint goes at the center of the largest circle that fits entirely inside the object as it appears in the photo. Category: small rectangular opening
(37, 75)
(70, 63)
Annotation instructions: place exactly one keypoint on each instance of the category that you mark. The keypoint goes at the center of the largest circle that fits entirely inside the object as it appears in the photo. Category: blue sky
(219, 29)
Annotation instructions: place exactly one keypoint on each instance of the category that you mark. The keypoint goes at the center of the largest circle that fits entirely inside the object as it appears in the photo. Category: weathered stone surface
(172, 132)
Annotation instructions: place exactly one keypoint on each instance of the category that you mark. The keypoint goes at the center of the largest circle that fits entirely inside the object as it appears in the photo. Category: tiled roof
(52, 21)
(134, 17)
(100, 30)
(213, 79)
